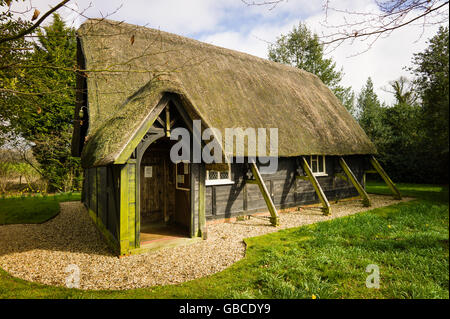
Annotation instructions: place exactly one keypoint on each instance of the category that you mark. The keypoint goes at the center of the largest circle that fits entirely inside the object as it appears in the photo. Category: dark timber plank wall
(101, 197)
(102, 193)
(224, 201)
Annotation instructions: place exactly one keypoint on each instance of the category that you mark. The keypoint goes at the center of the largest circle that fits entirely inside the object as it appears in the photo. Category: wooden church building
(138, 85)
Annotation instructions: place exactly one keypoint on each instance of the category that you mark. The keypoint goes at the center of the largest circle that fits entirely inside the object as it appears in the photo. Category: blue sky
(232, 24)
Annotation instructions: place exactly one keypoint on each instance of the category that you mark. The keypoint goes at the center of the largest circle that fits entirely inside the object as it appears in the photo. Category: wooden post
(124, 240)
(274, 219)
(362, 192)
(132, 203)
(167, 120)
(385, 177)
(127, 232)
(201, 202)
(165, 196)
(326, 205)
(364, 179)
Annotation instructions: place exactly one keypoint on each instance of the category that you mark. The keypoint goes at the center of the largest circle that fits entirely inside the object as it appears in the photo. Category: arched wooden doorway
(164, 208)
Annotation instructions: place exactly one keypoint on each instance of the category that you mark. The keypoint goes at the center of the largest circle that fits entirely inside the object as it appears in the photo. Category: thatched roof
(131, 67)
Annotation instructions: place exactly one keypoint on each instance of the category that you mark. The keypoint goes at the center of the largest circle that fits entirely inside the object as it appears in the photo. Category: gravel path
(41, 253)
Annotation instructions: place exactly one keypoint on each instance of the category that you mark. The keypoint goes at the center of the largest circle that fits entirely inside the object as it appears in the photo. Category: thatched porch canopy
(131, 67)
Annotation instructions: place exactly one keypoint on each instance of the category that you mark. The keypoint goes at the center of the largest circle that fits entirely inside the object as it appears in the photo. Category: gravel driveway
(41, 253)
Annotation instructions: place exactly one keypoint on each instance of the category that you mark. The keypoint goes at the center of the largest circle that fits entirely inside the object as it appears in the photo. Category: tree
(394, 131)
(369, 112)
(412, 135)
(46, 119)
(12, 53)
(432, 72)
(301, 48)
(7, 14)
(403, 90)
(400, 149)
(16, 46)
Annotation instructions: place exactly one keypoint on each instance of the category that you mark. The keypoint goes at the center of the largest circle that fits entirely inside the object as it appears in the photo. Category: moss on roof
(131, 67)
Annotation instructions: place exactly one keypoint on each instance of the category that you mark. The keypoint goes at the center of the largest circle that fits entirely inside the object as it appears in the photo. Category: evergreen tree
(403, 91)
(369, 112)
(12, 53)
(44, 116)
(432, 71)
(301, 48)
(400, 148)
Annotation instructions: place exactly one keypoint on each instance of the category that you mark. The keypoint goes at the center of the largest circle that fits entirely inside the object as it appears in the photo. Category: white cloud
(181, 17)
(255, 41)
(231, 24)
(384, 61)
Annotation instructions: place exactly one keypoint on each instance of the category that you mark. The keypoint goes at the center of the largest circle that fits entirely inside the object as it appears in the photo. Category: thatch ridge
(224, 88)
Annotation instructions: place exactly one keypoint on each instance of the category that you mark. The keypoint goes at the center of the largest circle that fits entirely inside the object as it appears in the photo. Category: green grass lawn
(32, 209)
(408, 241)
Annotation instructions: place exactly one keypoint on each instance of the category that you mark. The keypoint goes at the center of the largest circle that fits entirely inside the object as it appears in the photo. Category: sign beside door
(148, 171)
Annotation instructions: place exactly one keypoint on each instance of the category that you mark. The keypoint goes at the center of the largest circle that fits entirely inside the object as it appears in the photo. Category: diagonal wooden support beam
(362, 192)
(320, 193)
(274, 219)
(160, 121)
(385, 177)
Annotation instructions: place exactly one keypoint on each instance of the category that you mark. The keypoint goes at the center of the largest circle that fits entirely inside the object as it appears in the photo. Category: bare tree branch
(273, 3)
(35, 25)
(395, 23)
(370, 26)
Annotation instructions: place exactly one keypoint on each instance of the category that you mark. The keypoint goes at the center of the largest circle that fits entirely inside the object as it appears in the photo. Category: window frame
(219, 181)
(317, 160)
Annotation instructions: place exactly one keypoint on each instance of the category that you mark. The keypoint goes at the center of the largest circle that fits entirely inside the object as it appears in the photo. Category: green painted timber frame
(127, 233)
(139, 135)
(129, 162)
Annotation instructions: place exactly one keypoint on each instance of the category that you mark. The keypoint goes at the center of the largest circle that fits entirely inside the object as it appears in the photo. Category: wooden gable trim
(139, 135)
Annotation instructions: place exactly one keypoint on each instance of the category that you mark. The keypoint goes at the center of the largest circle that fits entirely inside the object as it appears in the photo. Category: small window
(218, 178)
(317, 164)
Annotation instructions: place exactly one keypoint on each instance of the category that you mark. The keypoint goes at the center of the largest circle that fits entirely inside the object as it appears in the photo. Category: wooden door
(153, 186)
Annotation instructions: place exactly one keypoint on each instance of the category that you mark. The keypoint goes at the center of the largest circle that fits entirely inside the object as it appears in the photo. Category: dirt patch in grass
(41, 253)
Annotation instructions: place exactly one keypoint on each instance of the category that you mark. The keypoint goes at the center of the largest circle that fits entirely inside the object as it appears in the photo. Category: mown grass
(408, 241)
(426, 192)
(32, 209)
